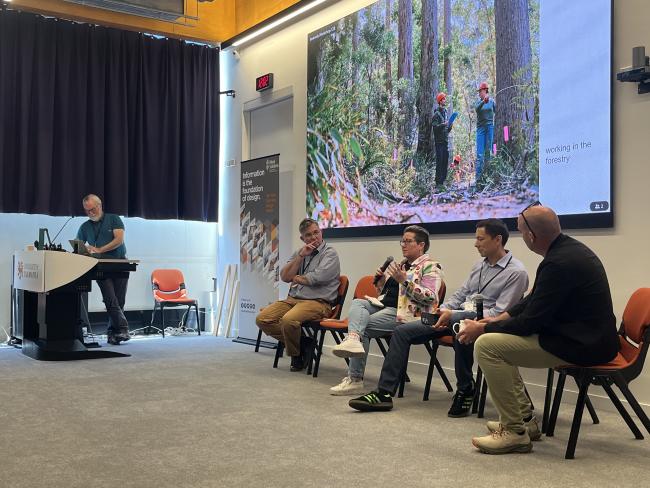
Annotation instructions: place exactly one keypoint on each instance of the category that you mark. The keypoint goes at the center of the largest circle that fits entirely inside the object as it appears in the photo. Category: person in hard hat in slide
(456, 169)
(441, 129)
(485, 108)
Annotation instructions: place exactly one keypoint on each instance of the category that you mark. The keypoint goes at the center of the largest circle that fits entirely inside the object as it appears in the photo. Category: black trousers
(114, 294)
(418, 333)
(442, 162)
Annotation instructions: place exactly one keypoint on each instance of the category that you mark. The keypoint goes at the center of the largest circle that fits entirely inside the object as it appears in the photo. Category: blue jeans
(369, 322)
(484, 142)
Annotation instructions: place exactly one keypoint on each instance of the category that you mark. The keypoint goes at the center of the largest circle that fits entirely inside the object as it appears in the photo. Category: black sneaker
(372, 402)
(296, 364)
(461, 405)
(113, 340)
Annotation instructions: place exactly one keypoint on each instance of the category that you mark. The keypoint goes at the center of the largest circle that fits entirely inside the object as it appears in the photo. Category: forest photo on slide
(375, 85)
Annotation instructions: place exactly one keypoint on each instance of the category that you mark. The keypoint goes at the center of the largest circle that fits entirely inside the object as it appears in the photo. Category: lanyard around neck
(480, 276)
(98, 230)
(312, 256)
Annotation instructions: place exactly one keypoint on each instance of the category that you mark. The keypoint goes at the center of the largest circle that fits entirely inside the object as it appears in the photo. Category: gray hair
(306, 224)
(92, 196)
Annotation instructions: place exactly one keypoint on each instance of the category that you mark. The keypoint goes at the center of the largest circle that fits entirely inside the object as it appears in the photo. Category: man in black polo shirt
(566, 318)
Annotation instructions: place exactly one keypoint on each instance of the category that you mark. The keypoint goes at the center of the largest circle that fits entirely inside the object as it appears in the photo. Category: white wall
(622, 249)
(189, 246)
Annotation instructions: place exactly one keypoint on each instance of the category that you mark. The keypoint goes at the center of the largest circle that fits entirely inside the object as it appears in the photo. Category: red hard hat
(483, 86)
(441, 96)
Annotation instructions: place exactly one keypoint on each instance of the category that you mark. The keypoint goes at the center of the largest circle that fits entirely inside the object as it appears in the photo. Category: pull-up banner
(259, 241)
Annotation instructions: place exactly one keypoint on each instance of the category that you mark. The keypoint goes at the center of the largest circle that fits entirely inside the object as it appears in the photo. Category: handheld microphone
(478, 301)
(62, 227)
(383, 268)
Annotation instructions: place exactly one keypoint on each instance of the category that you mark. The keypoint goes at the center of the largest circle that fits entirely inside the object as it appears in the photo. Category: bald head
(544, 221)
(540, 226)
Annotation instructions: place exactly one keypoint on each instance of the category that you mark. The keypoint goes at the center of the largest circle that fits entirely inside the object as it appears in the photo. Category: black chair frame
(606, 378)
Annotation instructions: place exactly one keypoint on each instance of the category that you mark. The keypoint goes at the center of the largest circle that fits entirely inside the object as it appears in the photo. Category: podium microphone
(62, 227)
(383, 268)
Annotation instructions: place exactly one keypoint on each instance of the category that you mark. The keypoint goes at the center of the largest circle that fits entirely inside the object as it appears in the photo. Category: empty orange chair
(168, 286)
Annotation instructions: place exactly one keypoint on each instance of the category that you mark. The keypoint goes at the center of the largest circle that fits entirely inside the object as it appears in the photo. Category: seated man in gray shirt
(499, 278)
(313, 271)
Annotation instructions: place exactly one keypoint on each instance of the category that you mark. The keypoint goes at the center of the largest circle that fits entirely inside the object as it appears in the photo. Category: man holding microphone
(408, 289)
(499, 278)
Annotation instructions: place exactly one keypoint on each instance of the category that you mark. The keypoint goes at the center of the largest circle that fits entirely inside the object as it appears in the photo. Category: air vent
(167, 10)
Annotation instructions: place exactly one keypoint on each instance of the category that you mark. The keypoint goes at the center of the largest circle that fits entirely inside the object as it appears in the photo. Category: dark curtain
(89, 109)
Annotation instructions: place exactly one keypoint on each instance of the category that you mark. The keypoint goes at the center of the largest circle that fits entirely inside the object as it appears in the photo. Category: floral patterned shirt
(419, 293)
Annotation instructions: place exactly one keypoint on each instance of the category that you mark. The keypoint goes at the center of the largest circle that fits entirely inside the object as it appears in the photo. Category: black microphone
(57, 234)
(478, 301)
(383, 268)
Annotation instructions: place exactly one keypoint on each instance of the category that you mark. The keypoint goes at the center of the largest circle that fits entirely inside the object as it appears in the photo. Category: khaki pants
(282, 320)
(499, 356)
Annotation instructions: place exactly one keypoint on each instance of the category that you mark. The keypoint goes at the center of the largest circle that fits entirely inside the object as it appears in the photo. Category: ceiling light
(273, 24)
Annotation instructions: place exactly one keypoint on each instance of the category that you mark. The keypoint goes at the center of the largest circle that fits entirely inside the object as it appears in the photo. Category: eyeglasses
(311, 235)
(92, 210)
(403, 242)
(534, 204)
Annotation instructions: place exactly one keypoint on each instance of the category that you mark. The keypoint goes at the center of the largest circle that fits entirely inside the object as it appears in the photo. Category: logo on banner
(27, 271)
(247, 305)
(272, 165)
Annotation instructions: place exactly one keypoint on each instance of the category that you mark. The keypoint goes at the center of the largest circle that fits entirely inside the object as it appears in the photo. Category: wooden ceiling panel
(217, 20)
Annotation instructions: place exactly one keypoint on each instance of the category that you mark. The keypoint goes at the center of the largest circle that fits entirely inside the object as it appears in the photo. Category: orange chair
(337, 327)
(634, 337)
(169, 291)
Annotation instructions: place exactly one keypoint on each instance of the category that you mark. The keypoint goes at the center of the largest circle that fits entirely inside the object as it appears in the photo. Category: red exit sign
(264, 82)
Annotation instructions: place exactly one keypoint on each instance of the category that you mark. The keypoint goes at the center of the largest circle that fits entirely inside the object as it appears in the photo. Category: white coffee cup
(458, 327)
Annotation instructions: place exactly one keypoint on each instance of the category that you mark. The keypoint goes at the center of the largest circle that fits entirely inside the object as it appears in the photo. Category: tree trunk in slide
(515, 105)
(428, 77)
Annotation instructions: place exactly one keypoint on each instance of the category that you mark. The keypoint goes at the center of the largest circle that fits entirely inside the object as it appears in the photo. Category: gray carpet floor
(206, 412)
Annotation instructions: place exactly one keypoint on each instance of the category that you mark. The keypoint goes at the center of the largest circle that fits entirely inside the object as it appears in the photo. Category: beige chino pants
(499, 356)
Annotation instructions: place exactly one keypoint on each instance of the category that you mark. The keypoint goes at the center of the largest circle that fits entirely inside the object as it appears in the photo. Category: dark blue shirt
(101, 233)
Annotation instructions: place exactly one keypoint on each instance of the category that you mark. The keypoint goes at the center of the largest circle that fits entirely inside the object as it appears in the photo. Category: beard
(95, 218)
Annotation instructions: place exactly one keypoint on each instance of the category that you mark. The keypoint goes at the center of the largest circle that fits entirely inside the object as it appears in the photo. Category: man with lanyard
(567, 318)
(313, 271)
(499, 277)
(104, 235)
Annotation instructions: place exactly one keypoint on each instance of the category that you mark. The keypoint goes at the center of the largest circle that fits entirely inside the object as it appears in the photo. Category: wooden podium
(50, 284)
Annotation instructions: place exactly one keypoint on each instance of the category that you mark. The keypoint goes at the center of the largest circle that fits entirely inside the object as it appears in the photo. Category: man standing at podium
(104, 235)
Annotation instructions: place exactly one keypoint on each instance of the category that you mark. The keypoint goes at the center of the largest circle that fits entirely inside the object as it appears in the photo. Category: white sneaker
(351, 347)
(348, 386)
